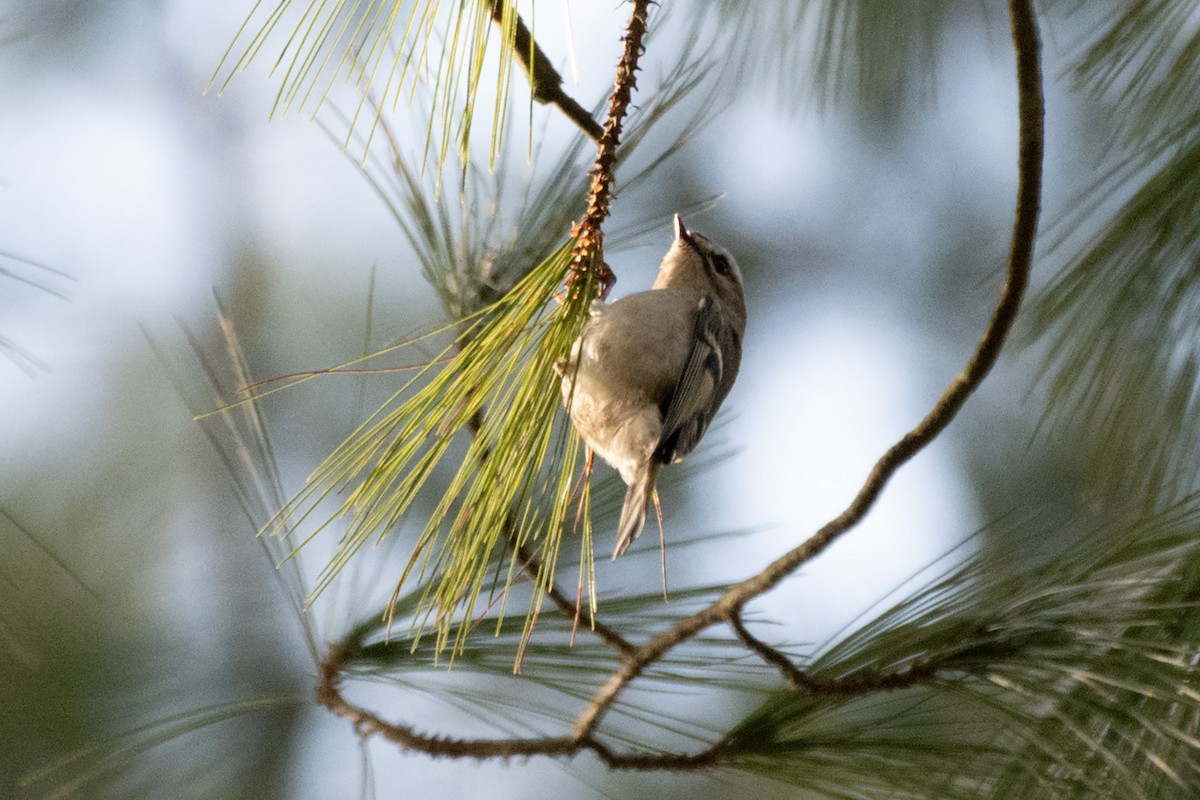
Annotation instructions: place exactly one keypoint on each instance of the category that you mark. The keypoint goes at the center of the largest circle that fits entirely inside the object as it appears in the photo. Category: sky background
(872, 251)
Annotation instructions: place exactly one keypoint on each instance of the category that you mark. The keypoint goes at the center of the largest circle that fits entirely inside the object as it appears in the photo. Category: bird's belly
(624, 437)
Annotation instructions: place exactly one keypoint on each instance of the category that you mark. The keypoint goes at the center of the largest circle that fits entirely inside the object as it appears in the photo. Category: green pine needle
(110, 760)
(1073, 678)
(514, 482)
(1119, 321)
(878, 57)
(385, 51)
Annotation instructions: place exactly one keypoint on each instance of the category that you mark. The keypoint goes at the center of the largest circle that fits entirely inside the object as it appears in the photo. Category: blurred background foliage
(162, 247)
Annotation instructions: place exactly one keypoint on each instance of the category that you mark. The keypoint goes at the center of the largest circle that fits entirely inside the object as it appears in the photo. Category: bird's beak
(681, 231)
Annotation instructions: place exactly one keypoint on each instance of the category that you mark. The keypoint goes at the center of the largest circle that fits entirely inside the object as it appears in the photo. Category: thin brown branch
(859, 683)
(588, 232)
(680, 762)
(1020, 258)
(367, 723)
(545, 83)
(532, 566)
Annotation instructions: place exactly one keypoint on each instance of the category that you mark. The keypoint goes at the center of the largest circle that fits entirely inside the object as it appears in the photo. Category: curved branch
(858, 683)
(545, 83)
(367, 723)
(1020, 258)
(589, 237)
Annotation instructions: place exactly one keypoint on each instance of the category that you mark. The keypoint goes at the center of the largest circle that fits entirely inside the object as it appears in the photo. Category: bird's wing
(698, 391)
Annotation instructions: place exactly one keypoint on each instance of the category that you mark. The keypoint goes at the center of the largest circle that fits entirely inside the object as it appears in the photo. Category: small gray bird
(650, 370)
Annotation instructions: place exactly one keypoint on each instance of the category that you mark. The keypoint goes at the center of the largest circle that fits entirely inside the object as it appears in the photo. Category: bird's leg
(662, 543)
(585, 479)
(578, 610)
(588, 462)
(607, 279)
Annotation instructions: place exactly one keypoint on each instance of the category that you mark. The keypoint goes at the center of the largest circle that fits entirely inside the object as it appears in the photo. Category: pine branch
(729, 606)
(588, 233)
(589, 238)
(367, 723)
(545, 83)
(866, 683)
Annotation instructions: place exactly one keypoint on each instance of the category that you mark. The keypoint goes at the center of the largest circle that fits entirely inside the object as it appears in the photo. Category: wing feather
(698, 393)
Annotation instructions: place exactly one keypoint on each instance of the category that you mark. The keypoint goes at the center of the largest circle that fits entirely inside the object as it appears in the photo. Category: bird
(650, 370)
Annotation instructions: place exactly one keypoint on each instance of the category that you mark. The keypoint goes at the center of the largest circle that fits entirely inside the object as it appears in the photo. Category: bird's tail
(633, 513)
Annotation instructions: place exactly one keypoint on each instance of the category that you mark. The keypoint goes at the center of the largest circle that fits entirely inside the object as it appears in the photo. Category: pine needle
(513, 480)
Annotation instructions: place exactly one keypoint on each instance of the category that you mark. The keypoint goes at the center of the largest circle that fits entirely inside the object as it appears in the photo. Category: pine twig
(367, 723)
(589, 235)
(867, 682)
(531, 565)
(545, 82)
(588, 232)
